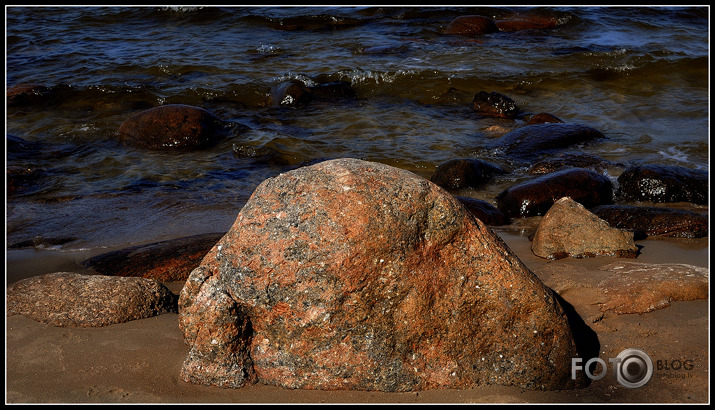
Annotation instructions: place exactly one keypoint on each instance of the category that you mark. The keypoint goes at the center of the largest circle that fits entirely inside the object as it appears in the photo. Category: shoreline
(140, 361)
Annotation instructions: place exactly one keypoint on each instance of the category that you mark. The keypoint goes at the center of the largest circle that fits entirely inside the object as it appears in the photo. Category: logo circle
(634, 369)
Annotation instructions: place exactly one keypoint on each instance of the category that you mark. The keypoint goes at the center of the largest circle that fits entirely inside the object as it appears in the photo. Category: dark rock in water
(175, 127)
(570, 230)
(471, 26)
(338, 90)
(533, 141)
(543, 117)
(27, 94)
(535, 197)
(573, 161)
(356, 275)
(654, 221)
(165, 261)
(526, 22)
(72, 299)
(290, 94)
(664, 183)
(494, 104)
(484, 211)
(640, 288)
(464, 172)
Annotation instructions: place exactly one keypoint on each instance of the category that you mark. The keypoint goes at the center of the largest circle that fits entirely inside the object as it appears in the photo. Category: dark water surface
(639, 75)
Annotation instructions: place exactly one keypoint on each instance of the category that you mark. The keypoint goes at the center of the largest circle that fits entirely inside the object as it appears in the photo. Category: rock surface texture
(73, 299)
(570, 230)
(355, 275)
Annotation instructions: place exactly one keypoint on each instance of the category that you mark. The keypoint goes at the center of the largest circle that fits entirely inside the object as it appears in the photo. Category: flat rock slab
(640, 288)
(73, 299)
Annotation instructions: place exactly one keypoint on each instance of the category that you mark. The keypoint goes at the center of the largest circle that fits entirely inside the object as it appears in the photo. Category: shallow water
(638, 75)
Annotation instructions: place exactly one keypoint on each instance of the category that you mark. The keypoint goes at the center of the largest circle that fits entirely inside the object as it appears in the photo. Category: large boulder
(350, 274)
(535, 196)
(73, 299)
(654, 221)
(173, 127)
(570, 230)
(664, 183)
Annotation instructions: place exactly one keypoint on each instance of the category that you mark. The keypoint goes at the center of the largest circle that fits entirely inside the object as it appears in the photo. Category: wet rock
(654, 221)
(290, 94)
(175, 127)
(571, 161)
(532, 141)
(484, 211)
(641, 288)
(165, 261)
(570, 230)
(72, 299)
(536, 196)
(368, 277)
(664, 183)
(464, 172)
(494, 104)
(543, 117)
(337, 90)
(471, 26)
(526, 22)
(27, 94)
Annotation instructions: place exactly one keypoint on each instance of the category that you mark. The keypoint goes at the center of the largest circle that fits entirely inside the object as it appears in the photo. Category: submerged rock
(471, 26)
(295, 93)
(72, 299)
(166, 261)
(543, 117)
(571, 161)
(464, 172)
(368, 277)
(664, 183)
(494, 104)
(654, 221)
(570, 230)
(289, 93)
(174, 127)
(521, 22)
(532, 141)
(535, 196)
(27, 94)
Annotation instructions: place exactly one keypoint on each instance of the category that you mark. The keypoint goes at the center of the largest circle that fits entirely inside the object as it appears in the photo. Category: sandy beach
(140, 361)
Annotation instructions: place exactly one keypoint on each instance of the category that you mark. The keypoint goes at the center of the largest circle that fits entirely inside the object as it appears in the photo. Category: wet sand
(139, 361)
